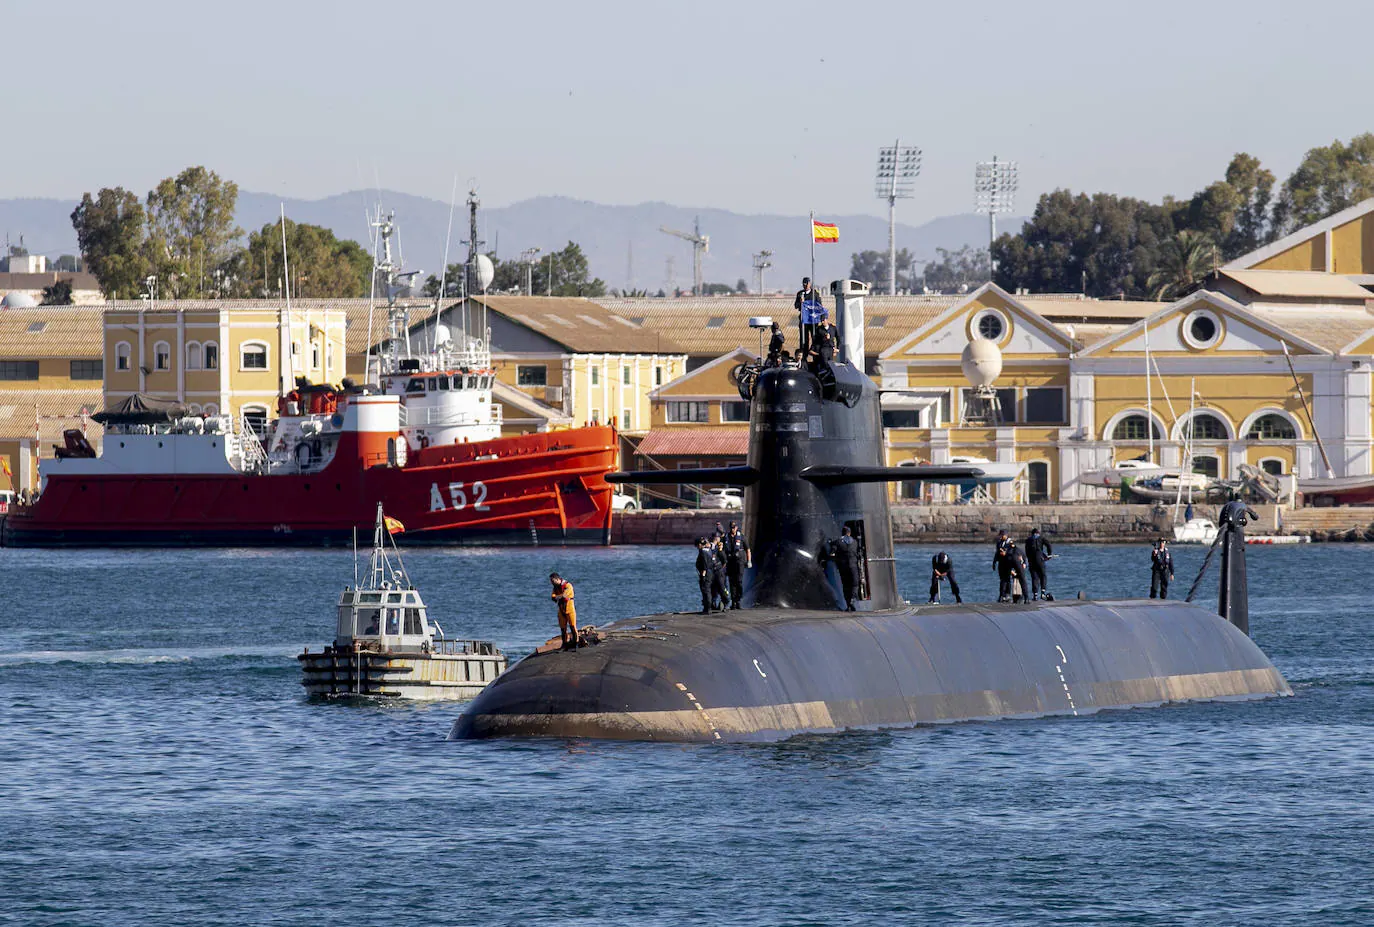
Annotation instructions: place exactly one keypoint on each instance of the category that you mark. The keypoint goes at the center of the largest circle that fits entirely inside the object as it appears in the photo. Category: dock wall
(952, 524)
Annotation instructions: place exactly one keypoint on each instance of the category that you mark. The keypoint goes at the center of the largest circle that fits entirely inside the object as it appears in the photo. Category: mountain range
(623, 244)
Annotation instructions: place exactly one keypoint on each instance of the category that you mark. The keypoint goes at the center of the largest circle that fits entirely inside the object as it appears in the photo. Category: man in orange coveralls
(567, 611)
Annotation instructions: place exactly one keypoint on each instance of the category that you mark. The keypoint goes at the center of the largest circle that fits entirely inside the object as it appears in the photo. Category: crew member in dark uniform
(775, 345)
(705, 569)
(844, 550)
(720, 592)
(823, 343)
(1161, 569)
(942, 568)
(1001, 562)
(809, 308)
(737, 557)
(1038, 551)
(1021, 583)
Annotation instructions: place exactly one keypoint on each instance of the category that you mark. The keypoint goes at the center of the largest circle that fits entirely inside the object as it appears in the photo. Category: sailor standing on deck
(705, 570)
(1001, 562)
(844, 550)
(737, 557)
(775, 346)
(1161, 569)
(720, 590)
(567, 610)
(1038, 551)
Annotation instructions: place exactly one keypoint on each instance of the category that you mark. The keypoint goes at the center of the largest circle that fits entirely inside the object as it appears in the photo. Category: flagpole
(813, 248)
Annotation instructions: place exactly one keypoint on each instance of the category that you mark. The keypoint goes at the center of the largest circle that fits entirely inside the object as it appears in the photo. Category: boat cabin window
(367, 622)
(393, 621)
(442, 382)
(415, 386)
(413, 623)
(369, 597)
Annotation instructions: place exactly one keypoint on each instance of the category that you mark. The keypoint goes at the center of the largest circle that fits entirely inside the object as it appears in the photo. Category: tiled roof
(53, 409)
(1331, 330)
(581, 325)
(714, 325)
(695, 442)
(1298, 284)
(52, 331)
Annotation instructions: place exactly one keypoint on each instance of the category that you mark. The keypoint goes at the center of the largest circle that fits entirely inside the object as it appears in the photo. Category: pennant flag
(5, 465)
(393, 525)
(824, 231)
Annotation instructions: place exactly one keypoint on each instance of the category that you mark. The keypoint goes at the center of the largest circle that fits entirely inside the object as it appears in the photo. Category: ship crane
(701, 244)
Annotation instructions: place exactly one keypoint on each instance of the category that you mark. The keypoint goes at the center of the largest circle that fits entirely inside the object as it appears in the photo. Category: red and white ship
(424, 441)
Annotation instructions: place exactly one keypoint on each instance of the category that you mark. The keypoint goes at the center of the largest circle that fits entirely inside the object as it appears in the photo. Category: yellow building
(573, 358)
(50, 380)
(1077, 400)
(233, 358)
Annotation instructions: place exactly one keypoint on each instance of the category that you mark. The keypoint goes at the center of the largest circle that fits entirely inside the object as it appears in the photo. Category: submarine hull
(768, 674)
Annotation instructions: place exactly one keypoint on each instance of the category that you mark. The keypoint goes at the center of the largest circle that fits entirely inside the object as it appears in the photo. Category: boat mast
(1149, 400)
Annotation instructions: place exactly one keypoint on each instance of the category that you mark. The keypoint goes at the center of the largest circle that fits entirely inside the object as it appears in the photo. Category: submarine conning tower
(815, 467)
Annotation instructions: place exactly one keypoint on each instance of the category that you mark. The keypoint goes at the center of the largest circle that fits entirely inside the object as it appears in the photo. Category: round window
(1201, 329)
(989, 325)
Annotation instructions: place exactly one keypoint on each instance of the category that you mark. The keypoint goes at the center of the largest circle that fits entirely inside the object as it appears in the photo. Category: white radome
(18, 300)
(981, 362)
(485, 272)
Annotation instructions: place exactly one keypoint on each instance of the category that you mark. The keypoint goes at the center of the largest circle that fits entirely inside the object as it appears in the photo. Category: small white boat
(993, 472)
(1196, 531)
(1110, 477)
(386, 645)
(1278, 539)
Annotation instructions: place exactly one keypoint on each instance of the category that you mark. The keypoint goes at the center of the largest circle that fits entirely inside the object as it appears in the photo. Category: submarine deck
(767, 674)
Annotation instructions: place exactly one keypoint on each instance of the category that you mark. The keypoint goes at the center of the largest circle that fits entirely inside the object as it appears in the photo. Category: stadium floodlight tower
(761, 263)
(529, 257)
(994, 189)
(898, 167)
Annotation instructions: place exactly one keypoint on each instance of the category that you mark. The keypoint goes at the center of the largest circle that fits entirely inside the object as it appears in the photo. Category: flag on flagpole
(824, 231)
(5, 465)
(393, 525)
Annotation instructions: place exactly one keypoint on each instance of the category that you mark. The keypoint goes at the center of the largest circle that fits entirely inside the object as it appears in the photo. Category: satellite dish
(442, 335)
(485, 272)
(981, 362)
(18, 300)
(761, 321)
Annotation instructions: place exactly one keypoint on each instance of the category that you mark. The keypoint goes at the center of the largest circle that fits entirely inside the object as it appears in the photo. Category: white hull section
(423, 677)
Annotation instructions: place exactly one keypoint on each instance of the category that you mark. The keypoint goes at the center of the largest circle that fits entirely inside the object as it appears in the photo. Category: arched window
(1204, 426)
(1134, 428)
(254, 356)
(122, 355)
(210, 355)
(162, 356)
(1272, 466)
(1207, 465)
(255, 419)
(1271, 427)
(193, 355)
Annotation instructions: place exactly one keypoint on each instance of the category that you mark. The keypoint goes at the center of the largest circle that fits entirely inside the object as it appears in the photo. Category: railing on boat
(460, 648)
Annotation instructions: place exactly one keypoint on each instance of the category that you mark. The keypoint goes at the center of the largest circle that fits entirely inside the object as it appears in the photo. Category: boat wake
(142, 656)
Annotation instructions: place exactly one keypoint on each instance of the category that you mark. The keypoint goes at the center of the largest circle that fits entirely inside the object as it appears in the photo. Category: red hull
(546, 488)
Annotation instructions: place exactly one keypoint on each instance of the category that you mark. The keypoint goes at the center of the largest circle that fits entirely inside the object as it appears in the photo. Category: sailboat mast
(1149, 400)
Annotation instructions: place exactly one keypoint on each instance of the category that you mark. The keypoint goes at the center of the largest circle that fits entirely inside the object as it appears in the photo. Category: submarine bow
(791, 662)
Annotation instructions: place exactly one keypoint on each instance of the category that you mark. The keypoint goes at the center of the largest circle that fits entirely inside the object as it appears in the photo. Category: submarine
(793, 661)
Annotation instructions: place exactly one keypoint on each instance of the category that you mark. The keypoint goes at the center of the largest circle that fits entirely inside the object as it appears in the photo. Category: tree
(741, 286)
(968, 267)
(1255, 187)
(1184, 263)
(111, 231)
(569, 268)
(67, 263)
(716, 289)
(1328, 180)
(191, 231)
(321, 265)
(59, 294)
(871, 266)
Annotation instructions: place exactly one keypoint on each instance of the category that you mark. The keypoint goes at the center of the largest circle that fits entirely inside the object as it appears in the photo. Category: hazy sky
(749, 106)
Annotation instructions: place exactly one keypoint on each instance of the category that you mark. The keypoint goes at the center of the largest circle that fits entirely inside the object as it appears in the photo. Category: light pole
(898, 167)
(994, 190)
(529, 257)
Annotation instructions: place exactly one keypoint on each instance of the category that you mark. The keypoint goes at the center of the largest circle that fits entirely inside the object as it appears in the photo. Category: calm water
(159, 765)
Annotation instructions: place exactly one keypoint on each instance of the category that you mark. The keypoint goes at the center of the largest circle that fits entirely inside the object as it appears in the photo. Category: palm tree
(1184, 262)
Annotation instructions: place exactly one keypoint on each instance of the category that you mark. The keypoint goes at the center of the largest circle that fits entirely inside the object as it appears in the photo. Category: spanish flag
(393, 525)
(824, 231)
